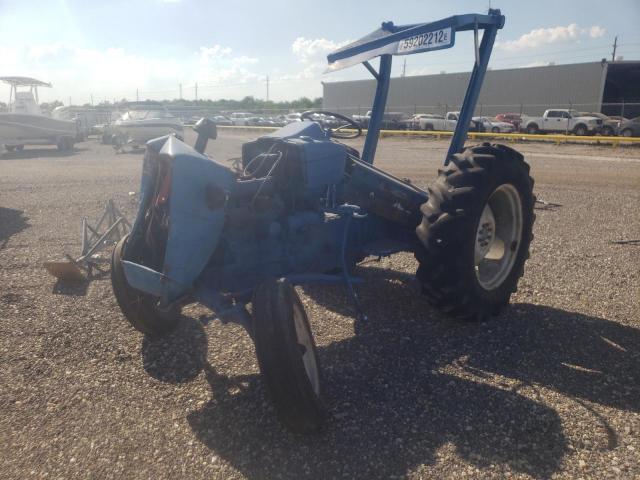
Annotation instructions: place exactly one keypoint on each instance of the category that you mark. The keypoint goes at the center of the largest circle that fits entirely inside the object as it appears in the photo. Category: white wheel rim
(305, 342)
(498, 237)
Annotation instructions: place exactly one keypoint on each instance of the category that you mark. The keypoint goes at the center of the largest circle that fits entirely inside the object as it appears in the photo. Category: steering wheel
(336, 133)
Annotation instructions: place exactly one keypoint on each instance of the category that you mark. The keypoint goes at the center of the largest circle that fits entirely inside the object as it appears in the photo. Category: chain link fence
(622, 109)
(96, 115)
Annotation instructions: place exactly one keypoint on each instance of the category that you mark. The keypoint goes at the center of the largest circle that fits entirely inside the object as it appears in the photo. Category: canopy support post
(473, 92)
(371, 70)
(377, 112)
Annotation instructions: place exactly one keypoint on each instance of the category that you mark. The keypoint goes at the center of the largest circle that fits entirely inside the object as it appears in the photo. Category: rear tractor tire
(140, 309)
(475, 232)
(287, 355)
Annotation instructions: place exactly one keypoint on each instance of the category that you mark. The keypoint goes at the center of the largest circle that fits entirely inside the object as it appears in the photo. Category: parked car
(279, 120)
(630, 128)
(487, 124)
(514, 119)
(363, 120)
(390, 120)
(223, 121)
(561, 121)
(327, 121)
(259, 122)
(610, 125)
(293, 117)
(240, 118)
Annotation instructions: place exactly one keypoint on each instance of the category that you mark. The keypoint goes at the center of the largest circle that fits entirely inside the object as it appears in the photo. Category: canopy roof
(408, 39)
(24, 82)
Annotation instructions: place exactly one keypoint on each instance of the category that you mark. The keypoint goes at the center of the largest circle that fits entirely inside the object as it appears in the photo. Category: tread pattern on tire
(448, 230)
(277, 349)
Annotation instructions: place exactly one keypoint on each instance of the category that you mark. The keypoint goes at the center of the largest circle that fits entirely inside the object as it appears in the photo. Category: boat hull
(141, 131)
(26, 129)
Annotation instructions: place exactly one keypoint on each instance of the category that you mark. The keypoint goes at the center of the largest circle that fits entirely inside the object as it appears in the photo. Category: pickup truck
(562, 121)
(437, 123)
(390, 120)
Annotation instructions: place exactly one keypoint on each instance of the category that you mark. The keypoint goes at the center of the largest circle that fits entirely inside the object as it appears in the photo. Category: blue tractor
(305, 208)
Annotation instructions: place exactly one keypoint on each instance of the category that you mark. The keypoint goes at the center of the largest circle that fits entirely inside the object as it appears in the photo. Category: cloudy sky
(110, 49)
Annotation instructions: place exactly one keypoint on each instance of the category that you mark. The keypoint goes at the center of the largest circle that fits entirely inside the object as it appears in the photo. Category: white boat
(143, 121)
(24, 123)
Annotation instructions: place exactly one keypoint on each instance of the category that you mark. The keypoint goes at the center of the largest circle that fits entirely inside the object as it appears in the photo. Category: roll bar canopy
(390, 40)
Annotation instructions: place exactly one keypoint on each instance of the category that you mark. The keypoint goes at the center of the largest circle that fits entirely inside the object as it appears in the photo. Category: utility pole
(615, 46)
(404, 68)
(69, 101)
(180, 91)
(267, 88)
(92, 99)
(196, 91)
(137, 96)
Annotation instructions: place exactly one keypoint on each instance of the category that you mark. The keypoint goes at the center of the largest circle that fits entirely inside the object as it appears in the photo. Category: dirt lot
(551, 388)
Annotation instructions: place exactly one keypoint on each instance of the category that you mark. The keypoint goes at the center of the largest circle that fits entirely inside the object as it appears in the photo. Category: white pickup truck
(438, 123)
(562, 121)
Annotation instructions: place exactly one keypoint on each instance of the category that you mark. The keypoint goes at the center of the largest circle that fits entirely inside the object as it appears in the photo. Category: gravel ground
(550, 389)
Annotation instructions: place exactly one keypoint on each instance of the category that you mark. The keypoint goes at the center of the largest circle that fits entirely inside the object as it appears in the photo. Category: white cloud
(307, 48)
(213, 53)
(40, 52)
(311, 53)
(540, 37)
(115, 72)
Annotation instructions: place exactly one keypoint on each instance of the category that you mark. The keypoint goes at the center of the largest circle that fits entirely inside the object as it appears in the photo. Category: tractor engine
(278, 218)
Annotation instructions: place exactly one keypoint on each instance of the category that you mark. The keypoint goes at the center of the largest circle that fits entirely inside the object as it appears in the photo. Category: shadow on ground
(11, 222)
(178, 357)
(408, 383)
(29, 153)
(78, 288)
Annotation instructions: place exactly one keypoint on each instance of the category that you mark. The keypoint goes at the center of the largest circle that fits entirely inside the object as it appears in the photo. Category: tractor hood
(196, 200)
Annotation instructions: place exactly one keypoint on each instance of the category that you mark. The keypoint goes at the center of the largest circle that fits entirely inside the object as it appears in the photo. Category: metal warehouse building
(610, 87)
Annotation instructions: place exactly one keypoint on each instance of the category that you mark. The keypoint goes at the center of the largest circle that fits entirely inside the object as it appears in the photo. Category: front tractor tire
(140, 309)
(287, 355)
(475, 232)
